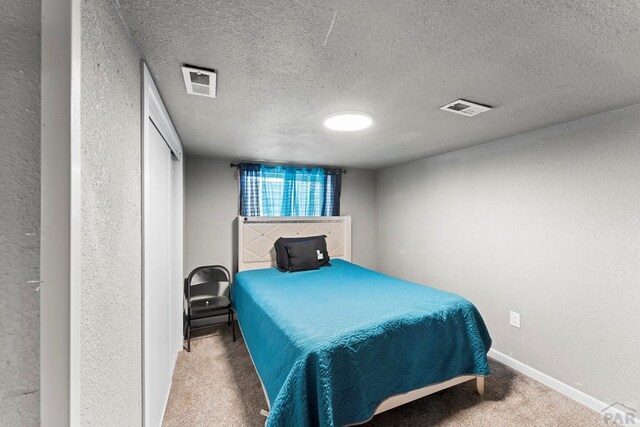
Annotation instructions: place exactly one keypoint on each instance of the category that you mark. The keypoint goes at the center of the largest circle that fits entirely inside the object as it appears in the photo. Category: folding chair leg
(188, 337)
(229, 318)
(233, 327)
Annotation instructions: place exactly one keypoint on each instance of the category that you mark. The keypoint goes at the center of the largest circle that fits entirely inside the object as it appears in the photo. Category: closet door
(158, 292)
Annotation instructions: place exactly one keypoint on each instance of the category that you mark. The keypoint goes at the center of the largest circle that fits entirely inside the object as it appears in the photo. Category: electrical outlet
(514, 319)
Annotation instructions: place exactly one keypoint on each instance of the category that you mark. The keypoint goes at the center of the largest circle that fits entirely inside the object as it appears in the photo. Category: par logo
(620, 414)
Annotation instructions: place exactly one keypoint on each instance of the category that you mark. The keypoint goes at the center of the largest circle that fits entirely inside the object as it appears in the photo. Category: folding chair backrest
(208, 281)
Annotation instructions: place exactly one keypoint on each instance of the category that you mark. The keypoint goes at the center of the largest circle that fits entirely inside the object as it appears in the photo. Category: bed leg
(480, 385)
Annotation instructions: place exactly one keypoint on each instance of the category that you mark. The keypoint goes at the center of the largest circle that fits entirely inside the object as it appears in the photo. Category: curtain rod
(311, 220)
(235, 165)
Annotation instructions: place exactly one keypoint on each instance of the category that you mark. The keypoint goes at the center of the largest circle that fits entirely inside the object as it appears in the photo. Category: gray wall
(211, 206)
(359, 200)
(19, 213)
(545, 223)
(111, 220)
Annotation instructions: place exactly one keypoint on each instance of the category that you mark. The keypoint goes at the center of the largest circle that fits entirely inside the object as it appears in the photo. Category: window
(289, 190)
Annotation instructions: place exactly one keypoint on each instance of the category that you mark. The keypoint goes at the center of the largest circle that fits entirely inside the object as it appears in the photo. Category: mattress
(330, 345)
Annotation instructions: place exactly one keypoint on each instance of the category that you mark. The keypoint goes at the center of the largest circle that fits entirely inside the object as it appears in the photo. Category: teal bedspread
(329, 345)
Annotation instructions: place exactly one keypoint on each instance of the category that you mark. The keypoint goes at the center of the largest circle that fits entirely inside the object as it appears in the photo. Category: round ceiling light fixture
(348, 121)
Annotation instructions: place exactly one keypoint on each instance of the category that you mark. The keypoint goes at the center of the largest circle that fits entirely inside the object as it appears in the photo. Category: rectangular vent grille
(465, 108)
(199, 81)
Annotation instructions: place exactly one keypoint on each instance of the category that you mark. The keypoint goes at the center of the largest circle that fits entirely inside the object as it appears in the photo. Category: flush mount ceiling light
(348, 121)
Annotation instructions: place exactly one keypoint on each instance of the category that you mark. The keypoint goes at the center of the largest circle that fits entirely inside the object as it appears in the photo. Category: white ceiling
(538, 63)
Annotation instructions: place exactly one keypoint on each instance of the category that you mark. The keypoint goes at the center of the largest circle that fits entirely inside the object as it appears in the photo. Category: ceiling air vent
(466, 108)
(199, 81)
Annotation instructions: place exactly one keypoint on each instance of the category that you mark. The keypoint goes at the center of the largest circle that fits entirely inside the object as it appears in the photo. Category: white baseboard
(557, 385)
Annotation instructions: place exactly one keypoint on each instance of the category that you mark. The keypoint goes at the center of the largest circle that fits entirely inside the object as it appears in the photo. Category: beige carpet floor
(216, 385)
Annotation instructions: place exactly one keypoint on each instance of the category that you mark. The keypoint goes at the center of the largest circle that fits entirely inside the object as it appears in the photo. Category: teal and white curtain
(289, 190)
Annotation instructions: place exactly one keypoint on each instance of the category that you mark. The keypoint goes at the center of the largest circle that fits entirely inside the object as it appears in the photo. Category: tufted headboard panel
(256, 236)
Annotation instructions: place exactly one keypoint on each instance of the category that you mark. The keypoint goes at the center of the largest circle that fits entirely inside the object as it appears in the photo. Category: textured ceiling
(538, 62)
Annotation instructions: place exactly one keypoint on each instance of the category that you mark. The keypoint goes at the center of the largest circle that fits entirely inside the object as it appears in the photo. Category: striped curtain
(289, 191)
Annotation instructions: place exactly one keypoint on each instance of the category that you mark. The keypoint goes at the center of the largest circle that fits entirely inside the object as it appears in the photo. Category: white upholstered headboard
(256, 236)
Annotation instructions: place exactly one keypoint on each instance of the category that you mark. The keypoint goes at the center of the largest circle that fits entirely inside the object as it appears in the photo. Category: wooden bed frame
(256, 236)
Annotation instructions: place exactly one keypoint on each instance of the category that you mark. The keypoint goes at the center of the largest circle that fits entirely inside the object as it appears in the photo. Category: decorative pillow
(282, 257)
(302, 256)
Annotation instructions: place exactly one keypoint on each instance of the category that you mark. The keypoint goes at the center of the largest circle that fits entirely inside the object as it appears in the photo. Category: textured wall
(545, 223)
(111, 220)
(19, 213)
(211, 205)
(359, 200)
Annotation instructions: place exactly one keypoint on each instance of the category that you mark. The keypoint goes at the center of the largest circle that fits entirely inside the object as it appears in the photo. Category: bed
(336, 346)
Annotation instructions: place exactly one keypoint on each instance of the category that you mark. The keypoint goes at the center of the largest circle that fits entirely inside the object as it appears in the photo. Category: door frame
(155, 114)
(60, 212)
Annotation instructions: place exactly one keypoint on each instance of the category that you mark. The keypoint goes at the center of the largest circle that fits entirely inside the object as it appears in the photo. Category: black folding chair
(204, 293)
